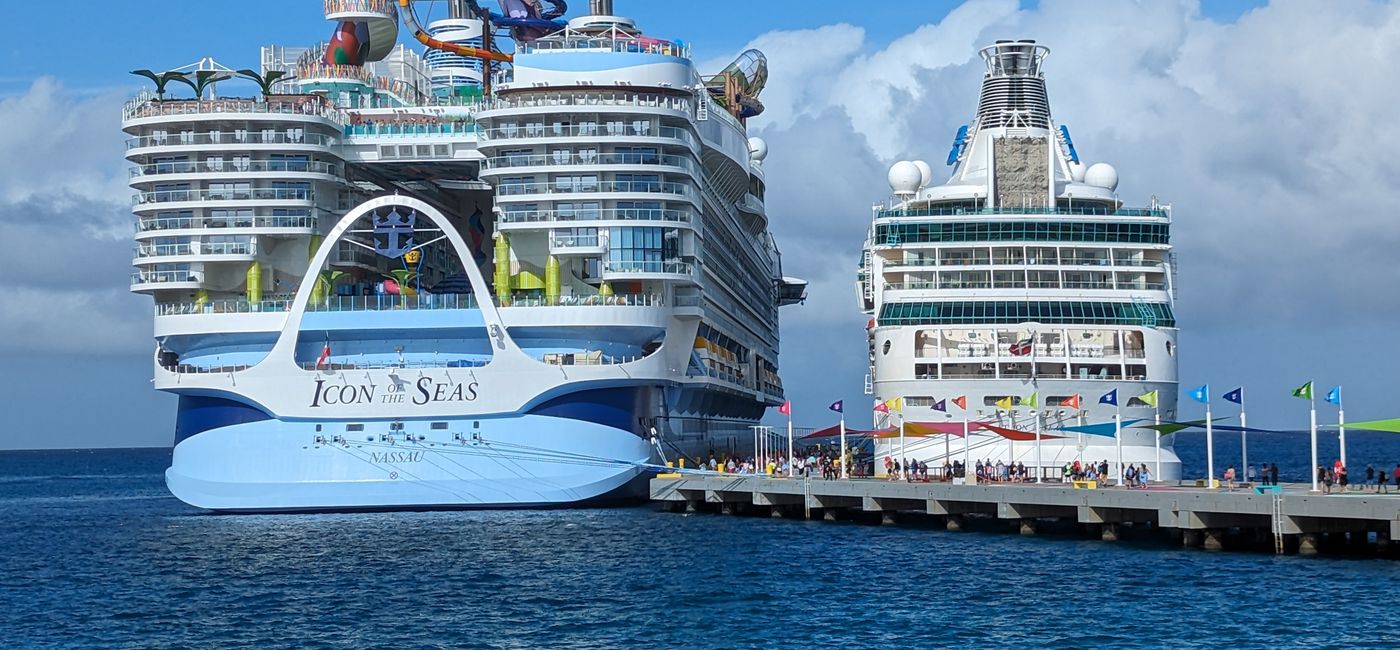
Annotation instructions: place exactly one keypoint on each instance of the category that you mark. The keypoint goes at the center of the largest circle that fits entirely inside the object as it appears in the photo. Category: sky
(1265, 125)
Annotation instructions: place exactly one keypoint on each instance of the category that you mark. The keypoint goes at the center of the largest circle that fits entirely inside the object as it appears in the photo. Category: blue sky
(1284, 210)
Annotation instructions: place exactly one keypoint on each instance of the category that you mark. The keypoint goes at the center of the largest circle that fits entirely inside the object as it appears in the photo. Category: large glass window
(1111, 233)
(633, 248)
(1014, 312)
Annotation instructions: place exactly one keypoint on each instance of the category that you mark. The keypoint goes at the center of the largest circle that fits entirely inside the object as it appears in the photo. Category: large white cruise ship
(1023, 284)
(473, 278)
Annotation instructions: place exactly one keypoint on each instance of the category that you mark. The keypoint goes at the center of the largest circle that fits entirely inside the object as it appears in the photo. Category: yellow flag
(1150, 398)
(1004, 403)
(896, 404)
(1033, 400)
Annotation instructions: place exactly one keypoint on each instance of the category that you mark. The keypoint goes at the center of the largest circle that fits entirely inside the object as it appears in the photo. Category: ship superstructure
(1026, 285)
(471, 278)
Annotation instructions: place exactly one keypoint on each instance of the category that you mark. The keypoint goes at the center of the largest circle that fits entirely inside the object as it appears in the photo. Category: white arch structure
(284, 350)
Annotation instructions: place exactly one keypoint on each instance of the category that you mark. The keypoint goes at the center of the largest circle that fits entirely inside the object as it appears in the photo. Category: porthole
(886, 348)
(1171, 349)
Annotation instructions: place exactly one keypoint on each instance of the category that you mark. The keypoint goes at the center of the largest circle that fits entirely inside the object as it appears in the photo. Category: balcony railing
(602, 214)
(674, 267)
(162, 277)
(1021, 284)
(395, 130)
(603, 98)
(380, 7)
(1085, 211)
(158, 169)
(230, 138)
(162, 250)
(152, 224)
(254, 194)
(614, 130)
(290, 105)
(615, 300)
(609, 43)
(564, 158)
(575, 241)
(635, 187)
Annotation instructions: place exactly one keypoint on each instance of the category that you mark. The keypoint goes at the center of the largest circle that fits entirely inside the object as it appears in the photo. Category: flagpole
(967, 453)
(1342, 432)
(1039, 465)
(1157, 427)
(903, 471)
(1210, 447)
(1312, 431)
(792, 467)
(841, 458)
(1118, 438)
(1244, 438)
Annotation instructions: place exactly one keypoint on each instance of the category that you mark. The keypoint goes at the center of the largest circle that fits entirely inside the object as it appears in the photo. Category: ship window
(439, 426)
(396, 426)
(886, 348)
(354, 427)
(318, 428)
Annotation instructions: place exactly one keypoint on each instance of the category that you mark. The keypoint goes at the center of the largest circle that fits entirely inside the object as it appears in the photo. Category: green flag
(1304, 391)
(1149, 398)
(1034, 400)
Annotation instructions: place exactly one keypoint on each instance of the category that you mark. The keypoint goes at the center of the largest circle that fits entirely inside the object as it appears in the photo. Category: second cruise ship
(1024, 286)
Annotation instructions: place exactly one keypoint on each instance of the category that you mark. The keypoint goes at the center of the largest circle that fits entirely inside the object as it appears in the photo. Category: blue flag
(1200, 393)
(1111, 397)
(1236, 396)
(940, 405)
(836, 406)
(1334, 396)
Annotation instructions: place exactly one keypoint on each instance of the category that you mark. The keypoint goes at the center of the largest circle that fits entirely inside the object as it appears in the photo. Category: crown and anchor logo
(394, 232)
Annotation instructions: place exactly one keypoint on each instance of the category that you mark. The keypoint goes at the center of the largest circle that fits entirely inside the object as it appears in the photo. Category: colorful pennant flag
(1111, 397)
(1022, 347)
(941, 405)
(1304, 391)
(1033, 401)
(1236, 396)
(1004, 403)
(896, 404)
(961, 401)
(882, 407)
(786, 408)
(838, 406)
(1072, 401)
(1149, 398)
(325, 355)
(1334, 396)
(1200, 393)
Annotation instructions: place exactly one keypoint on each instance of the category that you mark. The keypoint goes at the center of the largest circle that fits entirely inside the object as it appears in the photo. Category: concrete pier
(1201, 516)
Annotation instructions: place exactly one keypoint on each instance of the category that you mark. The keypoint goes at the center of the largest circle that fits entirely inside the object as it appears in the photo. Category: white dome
(905, 177)
(925, 171)
(1076, 171)
(758, 149)
(1102, 175)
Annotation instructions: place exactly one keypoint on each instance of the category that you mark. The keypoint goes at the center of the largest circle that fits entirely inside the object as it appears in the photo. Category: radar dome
(925, 171)
(758, 149)
(1076, 171)
(1102, 175)
(905, 177)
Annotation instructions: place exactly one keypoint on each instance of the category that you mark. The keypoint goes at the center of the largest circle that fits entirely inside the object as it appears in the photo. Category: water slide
(368, 31)
(411, 21)
(527, 19)
(738, 85)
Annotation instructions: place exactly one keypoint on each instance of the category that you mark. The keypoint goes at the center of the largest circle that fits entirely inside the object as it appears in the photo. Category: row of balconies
(498, 135)
(236, 166)
(681, 190)
(250, 194)
(232, 139)
(586, 159)
(156, 225)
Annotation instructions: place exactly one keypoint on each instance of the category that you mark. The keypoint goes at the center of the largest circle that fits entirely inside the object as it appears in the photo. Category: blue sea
(95, 553)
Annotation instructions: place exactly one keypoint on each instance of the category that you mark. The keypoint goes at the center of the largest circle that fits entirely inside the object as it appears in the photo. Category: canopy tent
(1100, 429)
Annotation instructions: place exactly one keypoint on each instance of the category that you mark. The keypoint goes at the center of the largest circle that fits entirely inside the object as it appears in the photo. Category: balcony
(150, 280)
(233, 167)
(232, 139)
(195, 196)
(676, 268)
(289, 105)
(682, 190)
(604, 98)
(161, 224)
(1080, 211)
(563, 159)
(602, 214)
(615, 130)
(410, 130)
(195, 249)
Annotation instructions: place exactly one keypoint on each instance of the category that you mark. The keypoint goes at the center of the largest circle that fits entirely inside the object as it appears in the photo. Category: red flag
(325, 354)
(1022, 347)
(961, 401)
(882, 407)
(1072, 401)
(786, 408)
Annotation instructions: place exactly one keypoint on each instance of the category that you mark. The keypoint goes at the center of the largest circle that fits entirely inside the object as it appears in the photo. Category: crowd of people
(1376, 480)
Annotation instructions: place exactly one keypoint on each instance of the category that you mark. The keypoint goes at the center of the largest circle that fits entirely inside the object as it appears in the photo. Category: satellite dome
(1076, 171)
(758, 149)
(1102, 175)
(925, 171)
(905, 177)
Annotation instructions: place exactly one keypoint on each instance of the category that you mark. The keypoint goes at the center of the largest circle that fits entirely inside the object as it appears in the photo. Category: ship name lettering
(396, 456)
(346, 394)
(436, 391)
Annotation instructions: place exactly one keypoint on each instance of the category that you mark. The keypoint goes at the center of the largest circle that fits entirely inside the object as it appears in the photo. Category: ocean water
(95, 553)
